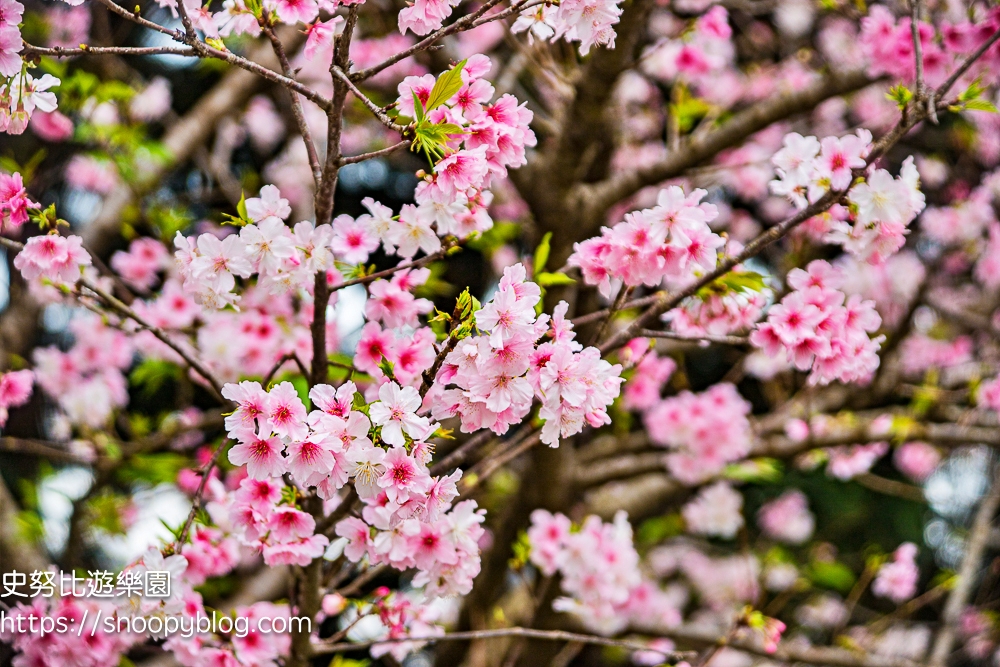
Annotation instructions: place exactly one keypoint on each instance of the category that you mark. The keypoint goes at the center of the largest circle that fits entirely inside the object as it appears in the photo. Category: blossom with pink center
(55, 258)
(259, 494)
(430, 543)
(353, 240)
(337, 402)
(402, 476)
(462, 170)
(286, 415)
(319, 36)
(358, 536)
(288, 524)
(262, 457)
(395, 412)
(253, 407)
(14, 202)
(505, 317)
(838, 157)
(310, 460)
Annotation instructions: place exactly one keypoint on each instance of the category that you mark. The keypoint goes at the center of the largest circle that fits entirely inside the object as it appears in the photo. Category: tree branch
(601, 196)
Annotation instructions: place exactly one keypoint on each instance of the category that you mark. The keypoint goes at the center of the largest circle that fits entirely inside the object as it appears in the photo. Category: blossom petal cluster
(589, 22)
(715, 511)
(88, 381)
(881, 207)
(706, 431)
(897, 579)
(600, 575)
(59, 259)
(15, 391)
(671, 241)
(818, 327)
(497, 374)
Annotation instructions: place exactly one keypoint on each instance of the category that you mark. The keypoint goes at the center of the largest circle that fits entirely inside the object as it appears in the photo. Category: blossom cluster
(704, 48)
(887, 43)
(707, 431)
(651, 373)
(671, 241)
(87, 381)
(64, 648)
(897, 579)
(498, 373)
(787, 518)
(818, 327)
(590, 22)
(600, 573)
(59, 259)
(881, 207)
(715, 511)
(21, 94)
(406, 522)
(491, 136)
(14, 202)
(15, 391)
(403, 617)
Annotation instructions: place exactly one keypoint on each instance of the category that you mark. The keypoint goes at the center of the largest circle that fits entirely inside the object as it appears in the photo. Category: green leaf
(241, 207)
(418, 108)
(973, 92)
(833, 575)
(546, 279)
(980, 105)
(655, 530)
(158, 468)
(542, 253)
(446, 86)
(754, 470)
(900, 94)
(495, 237)
(522, 551)
(152, 374)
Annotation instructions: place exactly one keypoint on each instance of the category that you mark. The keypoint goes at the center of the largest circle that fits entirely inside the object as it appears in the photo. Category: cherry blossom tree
(500, 333)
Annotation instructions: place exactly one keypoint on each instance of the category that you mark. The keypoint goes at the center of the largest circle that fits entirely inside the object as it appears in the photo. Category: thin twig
(84, 50)
(552, 635)
(461, 24)
(374, 108)
(738, 341)
(297, 112)
(461, 453)
(918, 57)
(206, 472)
(966, 64)
(965, 579)
(433, 257)
(352, 159)
(116, 304)
(489, 466)
(288, 356)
